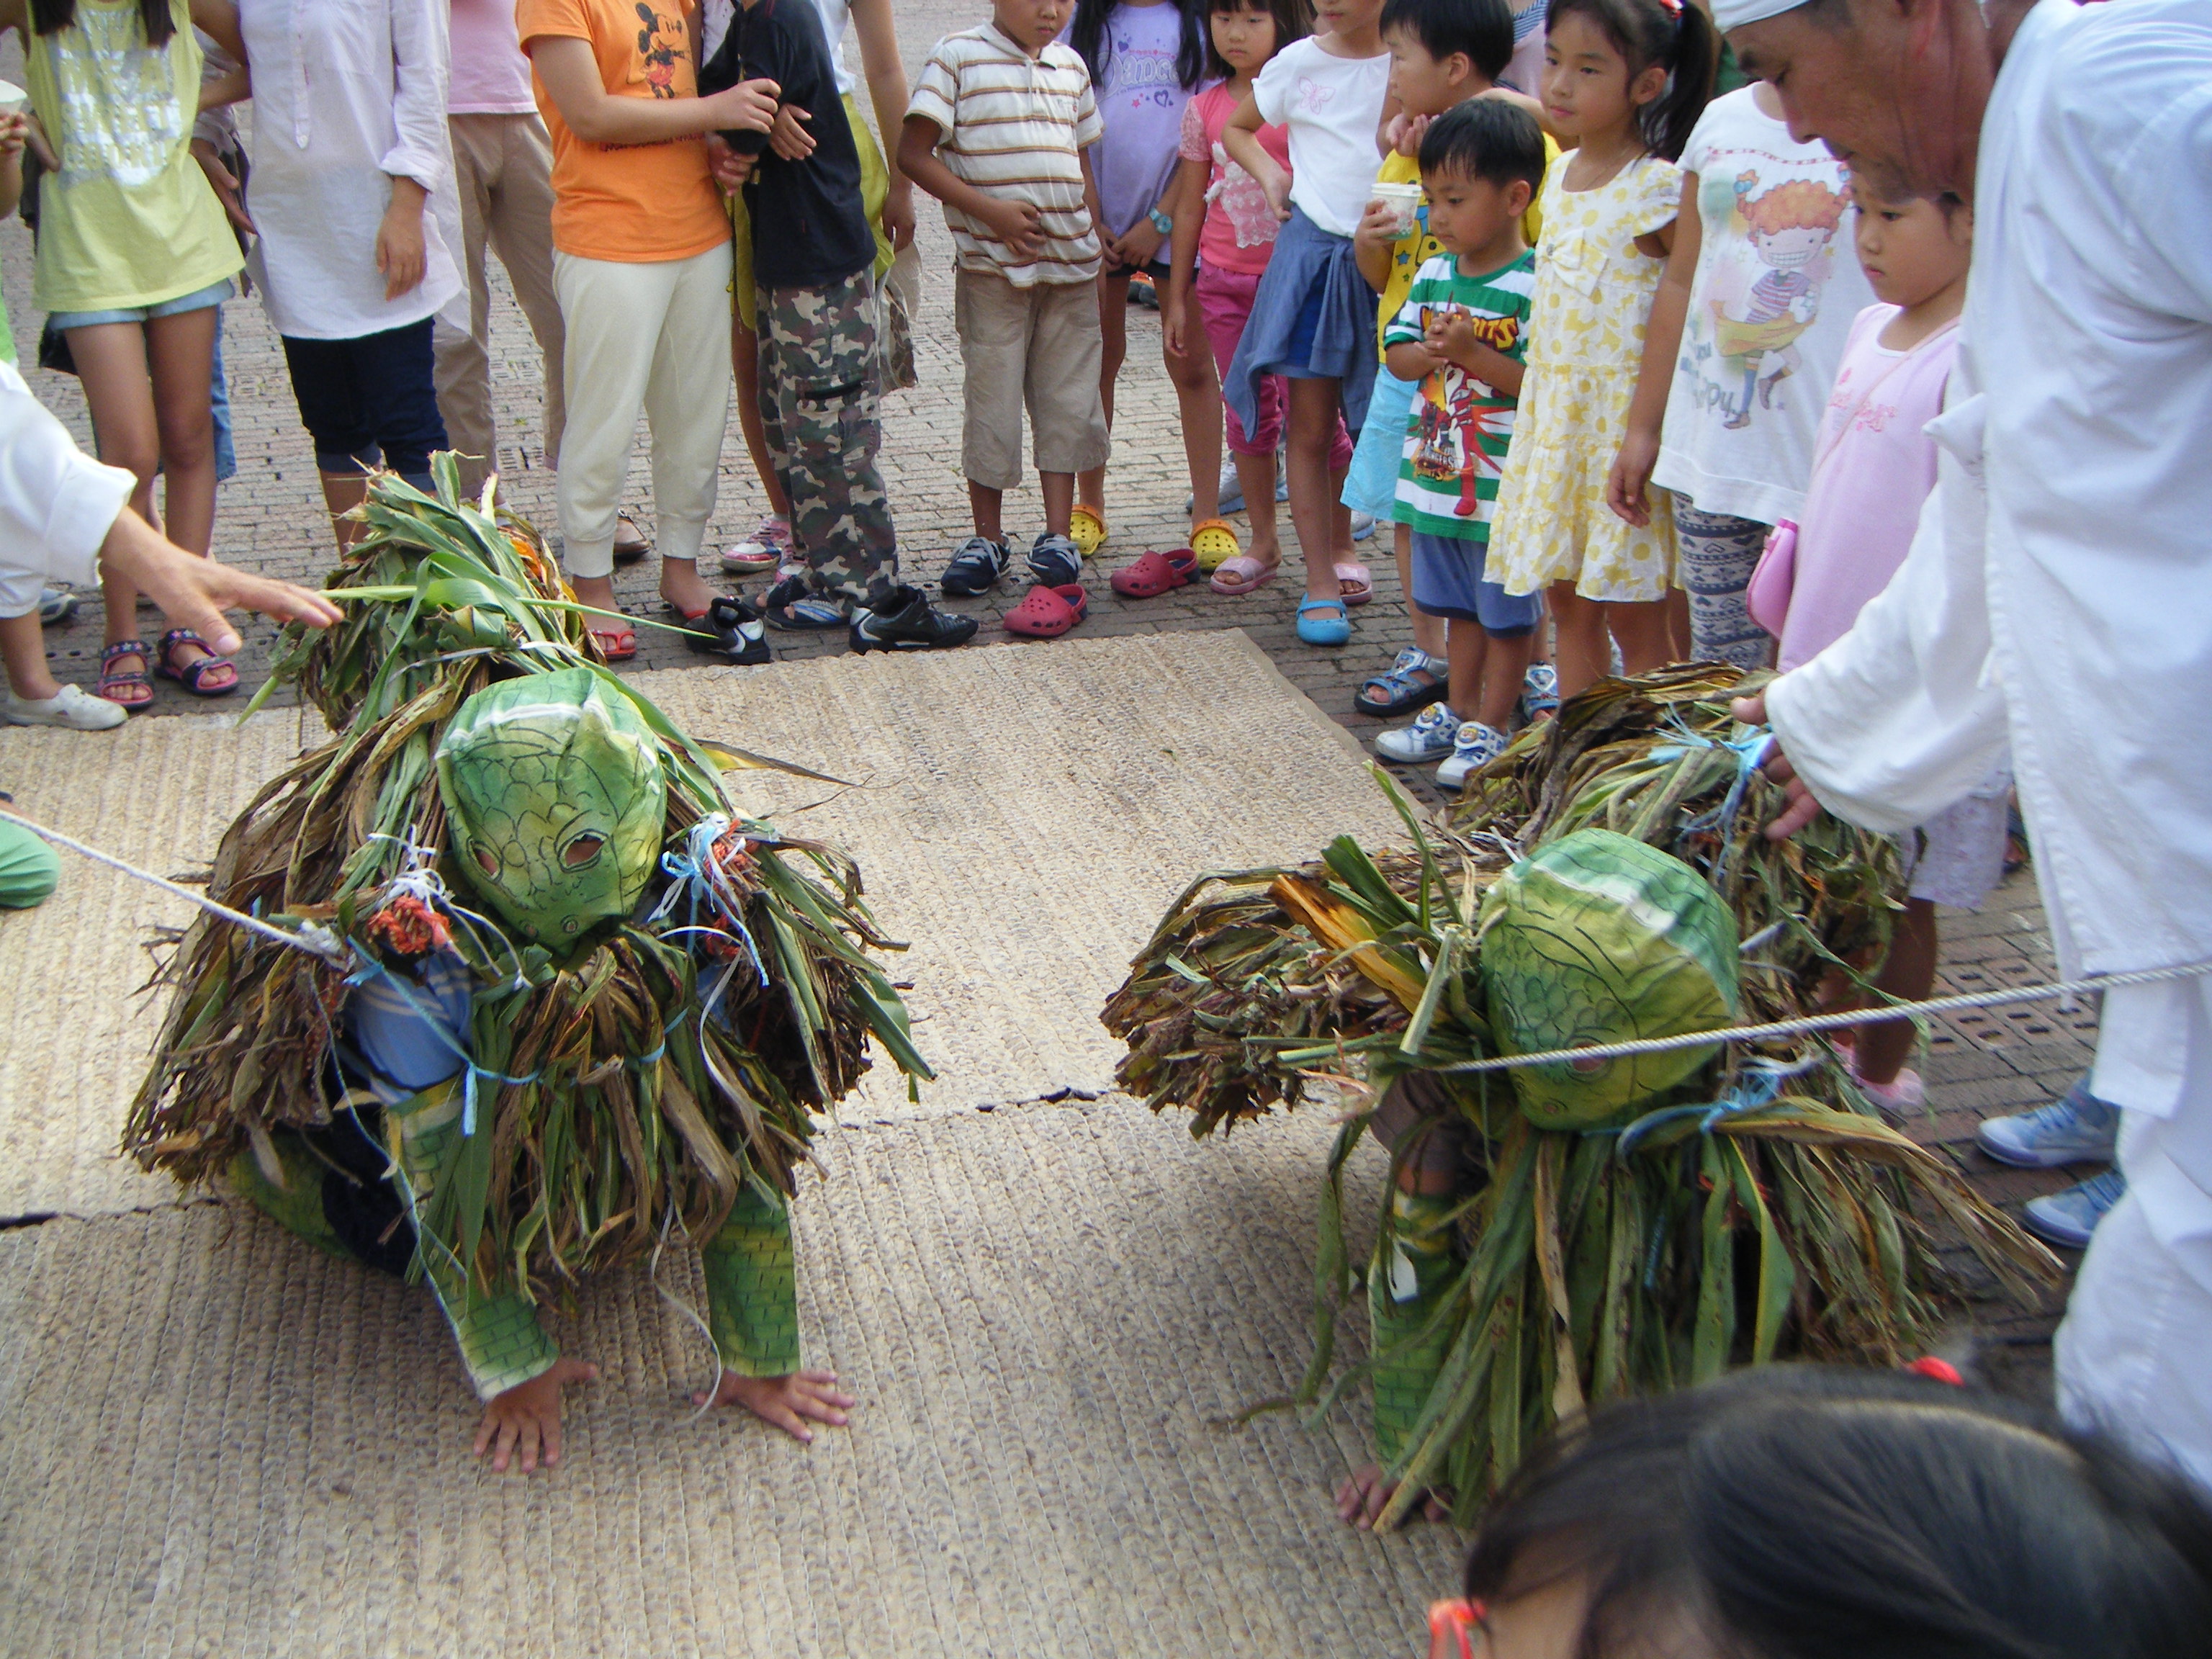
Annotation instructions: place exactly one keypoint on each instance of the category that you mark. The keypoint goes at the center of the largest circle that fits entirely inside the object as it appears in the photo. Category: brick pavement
(270, 519)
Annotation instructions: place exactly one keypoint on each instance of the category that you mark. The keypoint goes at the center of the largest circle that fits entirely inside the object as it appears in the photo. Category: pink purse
(1767, 595)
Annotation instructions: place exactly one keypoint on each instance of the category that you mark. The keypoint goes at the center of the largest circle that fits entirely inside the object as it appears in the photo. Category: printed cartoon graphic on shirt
(663, 46)
(1767, 290)
(120, 113)
(1457, 411)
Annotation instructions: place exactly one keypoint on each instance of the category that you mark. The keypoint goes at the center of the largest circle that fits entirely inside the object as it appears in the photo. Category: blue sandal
(1397, 691)
(1315, 628)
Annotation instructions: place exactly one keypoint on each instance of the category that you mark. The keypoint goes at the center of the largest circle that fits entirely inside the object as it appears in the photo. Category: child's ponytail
(1675, 34)
(1667, 120)
(51, 16)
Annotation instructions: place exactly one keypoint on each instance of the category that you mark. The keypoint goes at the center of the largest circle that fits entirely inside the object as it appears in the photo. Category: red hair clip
(1672, 8)
(1452, 1626)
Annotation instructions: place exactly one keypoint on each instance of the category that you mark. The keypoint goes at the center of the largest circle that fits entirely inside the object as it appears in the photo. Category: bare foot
(683, 586)
(527, 1418)
(786, 1402)
(1363, 1498)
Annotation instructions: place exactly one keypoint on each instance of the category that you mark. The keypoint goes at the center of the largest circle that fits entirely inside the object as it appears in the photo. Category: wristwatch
(1161, 223)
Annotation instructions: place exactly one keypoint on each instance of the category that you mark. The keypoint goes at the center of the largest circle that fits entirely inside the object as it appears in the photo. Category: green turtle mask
(1599, 938)
(553, 787)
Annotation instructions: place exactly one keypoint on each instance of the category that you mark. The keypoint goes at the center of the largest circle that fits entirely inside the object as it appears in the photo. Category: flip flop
(1356, 583)
(1242, 574)
(1155, 573)
(1215, 543)
(192, 673)
(1048, 612)
(1086, 530)
(616, 643)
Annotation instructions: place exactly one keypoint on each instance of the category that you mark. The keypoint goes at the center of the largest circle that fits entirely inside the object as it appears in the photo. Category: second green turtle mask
(553, 785)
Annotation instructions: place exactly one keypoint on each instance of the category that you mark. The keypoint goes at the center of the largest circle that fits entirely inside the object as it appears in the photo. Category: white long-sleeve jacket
(56, 503)
(2058, 596)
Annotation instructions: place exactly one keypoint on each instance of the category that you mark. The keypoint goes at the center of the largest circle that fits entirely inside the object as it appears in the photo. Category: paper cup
(1405, 200)
(12, 98)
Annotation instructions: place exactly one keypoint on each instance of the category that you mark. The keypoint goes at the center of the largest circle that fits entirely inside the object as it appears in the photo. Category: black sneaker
(793, 606)
(905, 621)
(977, 564)
(730, 630)
(1055, 562)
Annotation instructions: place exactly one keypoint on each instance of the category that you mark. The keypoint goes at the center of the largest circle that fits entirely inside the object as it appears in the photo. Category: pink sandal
(1048, 612)
(1155, 573)
(128, 679)
(1356, 583)
(1242, 574)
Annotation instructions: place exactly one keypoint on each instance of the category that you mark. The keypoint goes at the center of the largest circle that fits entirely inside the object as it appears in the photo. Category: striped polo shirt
(1015, 127)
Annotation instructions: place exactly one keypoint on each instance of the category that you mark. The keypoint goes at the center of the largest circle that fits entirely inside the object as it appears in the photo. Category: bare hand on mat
(1361, 1498)
(786, 1402)
(527, 1418)
(193, 592)
(1802, 808)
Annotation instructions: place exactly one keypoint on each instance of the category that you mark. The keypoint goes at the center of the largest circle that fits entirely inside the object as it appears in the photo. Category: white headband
(1735, 14)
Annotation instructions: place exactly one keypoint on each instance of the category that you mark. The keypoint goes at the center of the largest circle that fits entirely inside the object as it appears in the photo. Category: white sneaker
(1428, 738)
(74, 708)
(1476, 746)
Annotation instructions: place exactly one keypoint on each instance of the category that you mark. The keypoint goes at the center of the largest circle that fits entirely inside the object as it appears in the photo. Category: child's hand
(1406, 132)
(789, 137)
(1625, 485)
(14, 133)
(527, 1418)
(1137, 246)
(898, 214)
(786, 1402)
(1277, 187)
(1451, 338)
(1377, 227)
(225, 185)
(399, 253)
(726, 166)
(1173, 322)
(749, 105)
(1016, 224)
(40, 145)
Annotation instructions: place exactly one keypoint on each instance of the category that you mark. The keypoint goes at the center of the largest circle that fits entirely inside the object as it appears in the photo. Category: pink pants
(1224, 302)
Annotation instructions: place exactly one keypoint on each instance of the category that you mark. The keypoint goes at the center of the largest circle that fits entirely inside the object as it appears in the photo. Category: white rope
(315, 941)
(1782, 1027)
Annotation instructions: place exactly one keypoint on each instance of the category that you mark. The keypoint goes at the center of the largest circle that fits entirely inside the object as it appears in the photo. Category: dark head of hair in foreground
(1803, 1512)
(1486, 139)
(1483, 29)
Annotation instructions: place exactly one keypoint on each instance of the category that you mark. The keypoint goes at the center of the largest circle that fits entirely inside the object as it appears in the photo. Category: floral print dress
(1594, 293)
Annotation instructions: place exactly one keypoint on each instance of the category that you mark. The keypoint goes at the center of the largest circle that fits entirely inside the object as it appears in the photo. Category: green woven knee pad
(297, 1204)
(752, 1287)
(1413, 1270)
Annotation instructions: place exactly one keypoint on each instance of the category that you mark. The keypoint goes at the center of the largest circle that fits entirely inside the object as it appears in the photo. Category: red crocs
(1048, 612)
(1155, 573)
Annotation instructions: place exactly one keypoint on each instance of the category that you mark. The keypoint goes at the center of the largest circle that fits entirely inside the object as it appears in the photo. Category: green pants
(29, 870)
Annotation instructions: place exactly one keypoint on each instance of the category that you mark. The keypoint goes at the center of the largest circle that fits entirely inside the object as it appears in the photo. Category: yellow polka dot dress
(1594, 293)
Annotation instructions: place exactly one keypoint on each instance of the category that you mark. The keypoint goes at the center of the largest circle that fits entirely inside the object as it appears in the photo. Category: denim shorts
(368, 398)
(212, 294)
(1451, 580)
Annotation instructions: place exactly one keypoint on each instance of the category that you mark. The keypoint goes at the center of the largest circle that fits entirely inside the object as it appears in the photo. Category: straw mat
(241, 1447)
(1025, 815)
(159, 792)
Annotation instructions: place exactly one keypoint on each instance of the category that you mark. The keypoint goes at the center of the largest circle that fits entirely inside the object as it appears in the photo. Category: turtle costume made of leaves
(647, 997)
(1641, 1221)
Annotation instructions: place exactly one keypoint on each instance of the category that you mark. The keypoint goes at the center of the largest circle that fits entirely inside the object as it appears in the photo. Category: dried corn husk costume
(1564, 1233)
(585, 1008)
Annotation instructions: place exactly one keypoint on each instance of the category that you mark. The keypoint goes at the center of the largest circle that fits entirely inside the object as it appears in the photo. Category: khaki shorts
(1037, 347)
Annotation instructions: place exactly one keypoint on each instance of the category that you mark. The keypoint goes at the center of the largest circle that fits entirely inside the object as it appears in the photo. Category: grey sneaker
(1475, 748)
(2077, 1129)
(1429, 739)
(56, 605)
(2071, 1217)
(1363, 525)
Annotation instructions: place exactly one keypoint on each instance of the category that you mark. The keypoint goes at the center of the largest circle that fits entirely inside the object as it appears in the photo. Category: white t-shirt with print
(1331, 107)
(1777, 286)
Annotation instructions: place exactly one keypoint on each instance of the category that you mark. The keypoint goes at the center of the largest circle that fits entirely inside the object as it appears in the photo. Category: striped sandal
(132, 680)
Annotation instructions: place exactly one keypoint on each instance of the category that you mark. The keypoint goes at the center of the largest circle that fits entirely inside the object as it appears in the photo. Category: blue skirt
(1312, 319)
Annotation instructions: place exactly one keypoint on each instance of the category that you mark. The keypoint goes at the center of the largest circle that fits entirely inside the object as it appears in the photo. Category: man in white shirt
(2057, 598)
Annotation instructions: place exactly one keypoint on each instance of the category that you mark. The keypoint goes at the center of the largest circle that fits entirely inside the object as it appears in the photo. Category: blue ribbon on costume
(691, 874)
(1750, 752)
(372, 969)
(1756, 1087)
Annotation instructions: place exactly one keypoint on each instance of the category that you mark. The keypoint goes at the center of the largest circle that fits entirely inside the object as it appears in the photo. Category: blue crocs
(2071, 1217)
(1317, 628)
(2076, 1129)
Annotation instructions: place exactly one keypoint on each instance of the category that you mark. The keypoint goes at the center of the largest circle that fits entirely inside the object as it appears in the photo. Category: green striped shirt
(1457, 433)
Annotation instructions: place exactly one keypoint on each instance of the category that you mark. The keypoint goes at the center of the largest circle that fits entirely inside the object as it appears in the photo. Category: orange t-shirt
(637, 204)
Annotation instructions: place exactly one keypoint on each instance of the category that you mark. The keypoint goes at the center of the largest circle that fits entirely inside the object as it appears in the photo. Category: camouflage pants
(821, 403)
